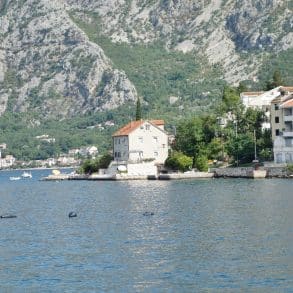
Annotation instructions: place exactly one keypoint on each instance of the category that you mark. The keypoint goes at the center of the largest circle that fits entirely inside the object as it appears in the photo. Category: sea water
(214, 235)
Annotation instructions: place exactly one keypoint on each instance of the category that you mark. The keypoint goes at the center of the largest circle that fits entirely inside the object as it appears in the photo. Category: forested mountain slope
(84, 62)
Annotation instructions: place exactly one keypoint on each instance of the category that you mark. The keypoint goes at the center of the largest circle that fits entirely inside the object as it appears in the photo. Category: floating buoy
(148, 214)
(72, 215)
(8, 216)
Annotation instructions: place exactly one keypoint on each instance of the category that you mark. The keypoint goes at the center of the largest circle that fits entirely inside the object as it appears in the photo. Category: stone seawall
(240, 172)
(245, 172)
(277, 172)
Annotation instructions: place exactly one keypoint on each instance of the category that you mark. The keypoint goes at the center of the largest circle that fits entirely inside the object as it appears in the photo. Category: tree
(138, 115)
(242, 87)
(91, 166)
(215, 149)
(277, 81)
(105, 161)
(190, 137)
(230, 99)
(201, 163)
(179, 161)
(241, 148)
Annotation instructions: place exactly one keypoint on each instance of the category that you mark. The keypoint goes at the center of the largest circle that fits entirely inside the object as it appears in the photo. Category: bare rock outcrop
(48, 64)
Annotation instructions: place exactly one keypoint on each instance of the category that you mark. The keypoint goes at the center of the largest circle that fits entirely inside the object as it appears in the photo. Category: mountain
(62, 58)
(69, 66)
(222, 30)
(48, 64)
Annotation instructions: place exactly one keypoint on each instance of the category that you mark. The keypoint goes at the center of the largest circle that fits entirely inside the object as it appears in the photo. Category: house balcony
(288, 118)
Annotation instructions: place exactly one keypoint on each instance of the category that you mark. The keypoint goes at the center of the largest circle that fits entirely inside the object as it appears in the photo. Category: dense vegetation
(91, 166)
(204, 137)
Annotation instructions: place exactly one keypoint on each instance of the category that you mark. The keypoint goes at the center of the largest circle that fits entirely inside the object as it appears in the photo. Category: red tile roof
(131, 126)
(288, 103)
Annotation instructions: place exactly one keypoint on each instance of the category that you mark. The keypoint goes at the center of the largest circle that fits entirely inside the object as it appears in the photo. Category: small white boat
(26, 174)
(14, 178)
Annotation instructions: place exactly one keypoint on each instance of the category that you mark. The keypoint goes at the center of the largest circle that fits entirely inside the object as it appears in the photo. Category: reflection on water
(204, 235)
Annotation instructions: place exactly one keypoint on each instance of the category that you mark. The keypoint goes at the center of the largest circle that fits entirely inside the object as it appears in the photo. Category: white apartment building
(141, 141)
(282, 128)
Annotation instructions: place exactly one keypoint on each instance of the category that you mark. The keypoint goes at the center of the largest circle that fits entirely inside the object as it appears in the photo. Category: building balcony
(288, 118)
(288, 133)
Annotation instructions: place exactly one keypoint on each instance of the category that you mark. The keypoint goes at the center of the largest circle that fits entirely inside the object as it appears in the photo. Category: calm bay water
(205, 235)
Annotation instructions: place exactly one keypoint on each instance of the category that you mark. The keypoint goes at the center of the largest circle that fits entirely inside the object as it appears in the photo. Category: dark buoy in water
(148, 214)
(8, 216)
(72, 215)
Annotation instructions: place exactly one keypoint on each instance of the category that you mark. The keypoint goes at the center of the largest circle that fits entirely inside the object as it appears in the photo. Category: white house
(262, 100)
(46, 138)
(141, 141)
(88, 151)
(7, 162)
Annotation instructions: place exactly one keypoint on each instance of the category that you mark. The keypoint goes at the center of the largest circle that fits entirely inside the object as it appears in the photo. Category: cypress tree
(138, 110)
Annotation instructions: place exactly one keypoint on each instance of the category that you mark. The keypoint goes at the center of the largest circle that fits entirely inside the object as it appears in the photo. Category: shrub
(201, 163)
(104, 161)
(92, 166)
(179, 161)
(290, 168)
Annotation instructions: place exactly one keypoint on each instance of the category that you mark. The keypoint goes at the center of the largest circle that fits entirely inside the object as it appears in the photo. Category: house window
(277, 120)
(276, 107)
(118, 154)
(155, 138)
(288, 142)
(140, 139)
(163, 145)
(277, 132)
(147, 127)
(115, 155)
(119, 141)
(156, 154)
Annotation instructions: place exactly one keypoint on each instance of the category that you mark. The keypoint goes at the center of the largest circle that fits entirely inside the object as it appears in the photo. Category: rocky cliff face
(48, 63)
(222, 30)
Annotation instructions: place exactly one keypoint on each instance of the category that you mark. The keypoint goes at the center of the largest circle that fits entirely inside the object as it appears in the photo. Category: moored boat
(14, 178)
(26, 174)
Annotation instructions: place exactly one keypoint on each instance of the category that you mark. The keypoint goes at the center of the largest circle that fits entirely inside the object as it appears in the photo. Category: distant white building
(73, 152)
(262, 101)
(67, 161)
(141, 140)
(88, 151)
(7, 162)
(46, 138)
